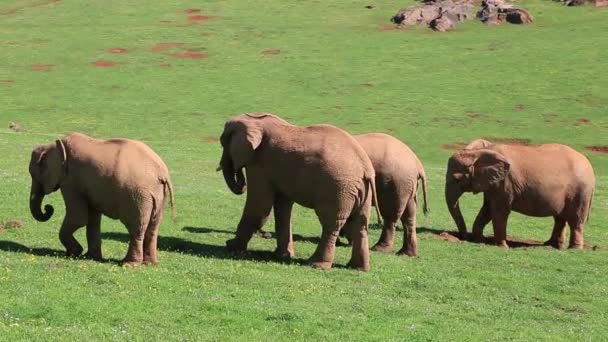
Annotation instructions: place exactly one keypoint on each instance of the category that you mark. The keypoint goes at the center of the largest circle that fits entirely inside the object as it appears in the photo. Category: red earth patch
(198, 18)
(583, 120)
(38, 4)
(165, 46)
(509, 141)
(192, 10)
(389, 28)
(118, 50)
(189, 55)
(453, 146)
(105, 63)
(211, 139)
(598, 149)
(42, 67)
(271, 52)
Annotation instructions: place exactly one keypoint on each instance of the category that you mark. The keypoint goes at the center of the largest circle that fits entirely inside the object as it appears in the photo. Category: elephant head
(47, 169)
(477, 144)
(241, 137)
(472, 171)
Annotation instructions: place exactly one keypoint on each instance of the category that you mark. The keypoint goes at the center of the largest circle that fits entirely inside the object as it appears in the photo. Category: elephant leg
(577, 228)
(357, 226)
(387, 237)
(559, 233)
(323, 256)
(151, 239)
(94, 236)
(483, 218)
(258, 205)
(499, 223)
(283, 231)
(76, 216)
(137, 227)
(410, 240)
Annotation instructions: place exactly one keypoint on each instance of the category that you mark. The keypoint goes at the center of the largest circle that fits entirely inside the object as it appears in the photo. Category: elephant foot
(383, 247)
(74, 252)
(322, 265)
(284, 255)
(92, 255)
(502, 244)
(360, 266)
(234, 245)
(264, 234)
(406, 252)
(152, 262)
(553, 243)
(576, 246)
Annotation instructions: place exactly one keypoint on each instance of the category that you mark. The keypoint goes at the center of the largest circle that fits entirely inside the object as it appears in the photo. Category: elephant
(119, 178)
(539, 181)
(320, 167)
(398, 170)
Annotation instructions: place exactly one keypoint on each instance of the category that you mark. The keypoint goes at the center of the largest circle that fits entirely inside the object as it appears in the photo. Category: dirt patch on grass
(36, 4)
(105, 64)
(164, 65)
(118, 50)
(454, 146)
(211, 139)
(598, 149)
(15, 126)
(13, 224)
(198, 18)
(367, 84)
(509, 141)
(192, 10)
(160, 47)
(189, 55)
(42, 67)
(270, 52)
(7, 81)
(583, 121)
(389, 28)
(519, 107)
(474, 115)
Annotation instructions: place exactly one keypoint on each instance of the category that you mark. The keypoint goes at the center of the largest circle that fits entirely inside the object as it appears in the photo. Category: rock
(518, 16)
(15, 126)
(445, 22)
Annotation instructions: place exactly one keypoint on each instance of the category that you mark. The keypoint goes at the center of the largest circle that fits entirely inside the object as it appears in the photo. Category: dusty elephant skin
(540, 181)
(320, 167)
(398, 171)
(119, 178)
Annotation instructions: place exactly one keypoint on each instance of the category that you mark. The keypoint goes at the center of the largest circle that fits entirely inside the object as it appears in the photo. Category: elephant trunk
(452, 194)
(36, 197)
(235, 179)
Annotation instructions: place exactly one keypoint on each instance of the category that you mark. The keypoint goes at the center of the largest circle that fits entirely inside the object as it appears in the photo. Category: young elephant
(546, 180)
(122, 179)
(320, 167)
(398, 170)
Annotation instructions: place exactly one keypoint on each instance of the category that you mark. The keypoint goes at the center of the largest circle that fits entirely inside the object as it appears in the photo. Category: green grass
(336, 66)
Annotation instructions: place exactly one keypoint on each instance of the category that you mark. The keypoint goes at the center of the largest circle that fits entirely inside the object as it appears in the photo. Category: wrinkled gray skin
(540, 181)
(119, 178)
(320, 167)
(398, 171)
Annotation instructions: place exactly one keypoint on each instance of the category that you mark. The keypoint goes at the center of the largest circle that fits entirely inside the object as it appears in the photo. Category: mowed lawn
(171, 72)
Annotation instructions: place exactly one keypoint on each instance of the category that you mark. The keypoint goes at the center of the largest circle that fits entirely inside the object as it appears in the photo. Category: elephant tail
(168, 189)
(422, 177)
(590, 202)
(372, 183)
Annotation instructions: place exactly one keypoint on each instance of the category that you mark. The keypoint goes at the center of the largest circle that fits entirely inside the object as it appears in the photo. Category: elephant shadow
(11, 246)
(452, 236)
(266, 235)
(175, 244)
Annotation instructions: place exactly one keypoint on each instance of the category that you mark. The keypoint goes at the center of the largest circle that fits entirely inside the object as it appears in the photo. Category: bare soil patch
(598, 149)
(474, 115)
(453, 146)
(189, 55)
(270, 52)
(367, 84)
(118, 50)
(198, 18)
(42, 67)
(192, 10)
(519, 107)
(105, 64)
(13, 224)
(37, 4)
(211, 139)
(583, 120)
(7, 81)
(166, 46)
(389, 28)
(509, 141)
(164, 65)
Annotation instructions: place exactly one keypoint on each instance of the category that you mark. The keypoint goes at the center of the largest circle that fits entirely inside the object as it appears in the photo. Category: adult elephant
(545, 180)
(398, 171)
(320, 167)
(120, 178)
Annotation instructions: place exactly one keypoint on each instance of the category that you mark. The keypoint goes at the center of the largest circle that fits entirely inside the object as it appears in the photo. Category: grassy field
(104, 68)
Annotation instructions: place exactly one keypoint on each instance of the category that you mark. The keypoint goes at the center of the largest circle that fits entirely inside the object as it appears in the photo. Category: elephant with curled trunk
(119, 178)
(398, 171)
(540, 181)
(320, 167)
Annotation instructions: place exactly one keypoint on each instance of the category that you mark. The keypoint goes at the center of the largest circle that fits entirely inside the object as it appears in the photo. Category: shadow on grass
(263, 234)
(452, 236)
(174, 244)
(11, 246)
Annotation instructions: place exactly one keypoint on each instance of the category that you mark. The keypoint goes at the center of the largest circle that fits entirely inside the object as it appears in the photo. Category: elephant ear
(62, 154)
(489, 170)
(242, 138)
(478, 144)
